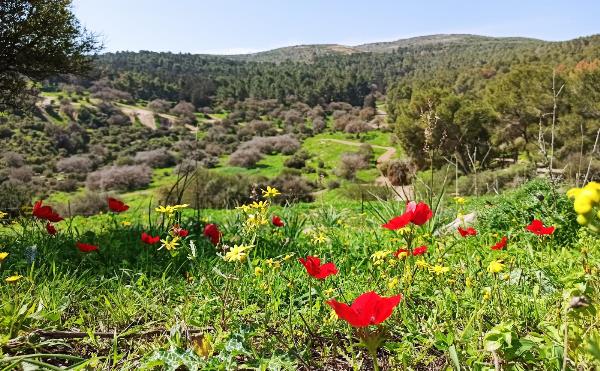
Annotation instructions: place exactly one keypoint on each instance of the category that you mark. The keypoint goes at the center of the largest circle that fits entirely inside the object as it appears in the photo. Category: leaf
(454, 357)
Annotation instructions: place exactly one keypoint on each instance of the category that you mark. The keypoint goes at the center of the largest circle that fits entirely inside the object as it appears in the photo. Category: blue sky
(242, 26)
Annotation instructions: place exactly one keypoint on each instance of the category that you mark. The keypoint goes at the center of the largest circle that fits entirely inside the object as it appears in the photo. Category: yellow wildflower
(3, 215)
(496, 266)
(393, 283)
(328, 292)
(459, 200)
(270, 192)
(3, 256)
(288, 257)
(260, 205)
(487, 293)
(244, 208)
(438, 269)
(468, 282)
(13, 279)
(380, 255)
(170, 244)
(319, 238)
(258, 271)
(421, 263)
(125, 223)
(165, 209)
(237, 253)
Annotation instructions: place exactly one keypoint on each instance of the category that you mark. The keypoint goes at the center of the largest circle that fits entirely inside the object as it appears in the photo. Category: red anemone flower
(368, 309)
(419, 250)
(314, 268)
(500, 245)
(180, 232)
(149, 239)
(537, 227)
(45, 212)
(84, 247)
(117, 206)
(400, 251)
(467, 232)
(212, 232)
(50, 229)
(277, 221)
(416, 213)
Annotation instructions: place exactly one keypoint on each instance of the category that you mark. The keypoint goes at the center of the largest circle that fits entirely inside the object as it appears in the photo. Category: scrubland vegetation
(426, 204)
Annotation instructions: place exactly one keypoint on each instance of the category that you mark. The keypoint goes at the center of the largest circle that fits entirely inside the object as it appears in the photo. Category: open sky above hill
(240, 26)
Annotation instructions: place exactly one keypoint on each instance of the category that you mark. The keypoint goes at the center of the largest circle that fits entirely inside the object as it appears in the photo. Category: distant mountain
(307, 53)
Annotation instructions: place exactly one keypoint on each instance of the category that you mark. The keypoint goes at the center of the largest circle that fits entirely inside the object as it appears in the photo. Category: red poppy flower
(368, 309)
(45, 212)
(537, 227)
(84, 247)
(314, 268)
(467, 232)
(117, 206)
(400, 251)
(500, 245)
(416, 213)
(50, 229)
(277, 221)
(149, 240)
(419, 250)
(212, 232)
(180, 232)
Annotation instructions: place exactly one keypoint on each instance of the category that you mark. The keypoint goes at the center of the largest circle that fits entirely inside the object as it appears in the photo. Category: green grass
(138, 307)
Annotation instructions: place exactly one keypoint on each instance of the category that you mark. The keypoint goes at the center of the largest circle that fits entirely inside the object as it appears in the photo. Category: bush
(247, 157)
(13, 197)
(399, 172)
(298, 160)
(159, 105)
(349, 164)
(158, 158)
(293, 188)
(89, 203)
(22, 174)
(284, 144)
(121, 178)
(75, 164)
(490, 181)
(67, 185)
(207, 189)
(368, 192)
(13, 159)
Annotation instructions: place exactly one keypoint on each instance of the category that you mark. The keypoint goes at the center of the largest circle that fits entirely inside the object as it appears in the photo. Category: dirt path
(146, 117)
(389, 151)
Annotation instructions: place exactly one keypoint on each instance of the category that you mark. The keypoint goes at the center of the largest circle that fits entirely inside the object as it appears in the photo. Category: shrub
(368, 192)
(206, 189)
(333, 184)
(22, 174)
(298, 160)
(74, 164)
(67, 185)
(247, 157)
(293, 188)
(13, 197)
(89, 203)
(158, 158)
(159, 105)
(492, 180)
(399, 172)
(122, 178)
(349, 164)
(284, 144)
(13, 159)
